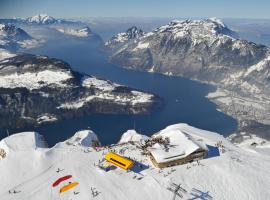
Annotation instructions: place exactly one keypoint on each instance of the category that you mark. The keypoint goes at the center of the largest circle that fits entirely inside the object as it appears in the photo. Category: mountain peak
(123, 37)
(211, 28)
(41, 19)
(134, 32)
(217, 21)
(13, 32)
(8, 27)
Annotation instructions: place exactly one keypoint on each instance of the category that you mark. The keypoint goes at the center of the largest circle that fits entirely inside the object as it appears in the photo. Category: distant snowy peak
(121, 38)
(83, 32)
(13, 32)
(41, 19)
(212, 27)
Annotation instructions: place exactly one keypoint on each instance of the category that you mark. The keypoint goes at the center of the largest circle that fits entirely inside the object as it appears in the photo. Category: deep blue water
(184, 100)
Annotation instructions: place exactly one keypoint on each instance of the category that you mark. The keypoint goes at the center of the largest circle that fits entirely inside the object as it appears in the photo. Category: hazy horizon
(241, 9)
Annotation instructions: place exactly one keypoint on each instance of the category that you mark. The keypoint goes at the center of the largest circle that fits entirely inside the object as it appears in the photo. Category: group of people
(94, 192)
(13, 191)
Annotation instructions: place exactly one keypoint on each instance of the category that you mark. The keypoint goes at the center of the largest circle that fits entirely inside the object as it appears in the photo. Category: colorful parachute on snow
(58, 181)
(68, 187)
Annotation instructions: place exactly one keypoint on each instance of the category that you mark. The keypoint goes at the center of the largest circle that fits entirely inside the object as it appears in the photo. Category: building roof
(181, 145)
(119, 160)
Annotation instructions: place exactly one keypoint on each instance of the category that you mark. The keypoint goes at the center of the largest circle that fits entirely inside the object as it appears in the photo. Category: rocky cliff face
(208, 51)
(37, 89)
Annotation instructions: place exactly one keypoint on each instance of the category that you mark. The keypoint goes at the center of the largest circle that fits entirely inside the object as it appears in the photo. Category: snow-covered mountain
(39, 19)
(85, 33)
(13, 32)
(12, 37)
(42, 19)
(208, 51)
(123, 38)
(235, 172)
(47, 90)
(186, 47)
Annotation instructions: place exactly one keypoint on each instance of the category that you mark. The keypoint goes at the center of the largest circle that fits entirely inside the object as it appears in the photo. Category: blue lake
(184, 100)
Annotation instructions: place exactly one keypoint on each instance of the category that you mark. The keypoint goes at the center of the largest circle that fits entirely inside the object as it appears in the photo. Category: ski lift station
(181, 148)
(119, 161)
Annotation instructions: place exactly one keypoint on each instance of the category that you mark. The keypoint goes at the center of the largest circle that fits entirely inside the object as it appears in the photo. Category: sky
(251, 9)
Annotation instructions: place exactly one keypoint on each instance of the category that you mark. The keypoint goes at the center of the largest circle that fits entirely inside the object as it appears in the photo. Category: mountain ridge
(206, 51)
(39, 89)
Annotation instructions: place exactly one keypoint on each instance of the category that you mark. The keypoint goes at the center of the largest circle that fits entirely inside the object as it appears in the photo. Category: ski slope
(230, 171)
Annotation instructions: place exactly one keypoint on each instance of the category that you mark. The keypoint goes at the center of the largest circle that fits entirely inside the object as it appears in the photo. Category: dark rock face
(26, 102)
(134, 32)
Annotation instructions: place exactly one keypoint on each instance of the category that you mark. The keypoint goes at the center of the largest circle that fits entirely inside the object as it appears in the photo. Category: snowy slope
(22, 142)
(34, 80)
(241, 172)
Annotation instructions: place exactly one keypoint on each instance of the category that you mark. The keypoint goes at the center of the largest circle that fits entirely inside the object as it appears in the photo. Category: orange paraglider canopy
(68, 187)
